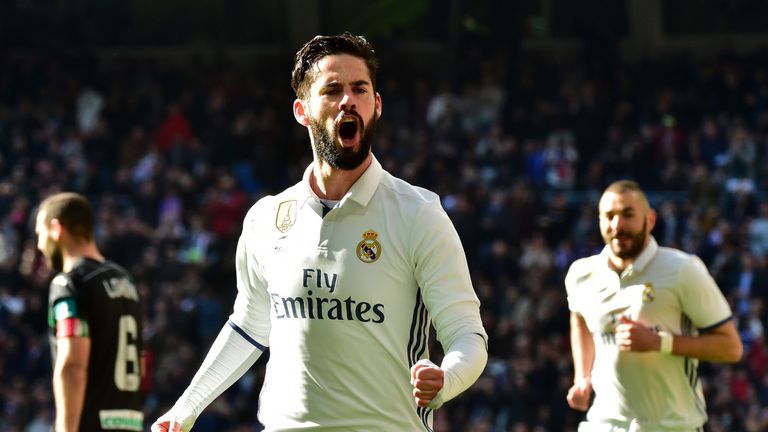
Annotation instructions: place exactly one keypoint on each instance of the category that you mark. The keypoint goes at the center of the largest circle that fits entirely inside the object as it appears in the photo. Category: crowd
(172, 153)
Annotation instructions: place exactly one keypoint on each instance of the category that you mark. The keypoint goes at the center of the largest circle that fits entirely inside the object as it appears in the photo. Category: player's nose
(346, 103)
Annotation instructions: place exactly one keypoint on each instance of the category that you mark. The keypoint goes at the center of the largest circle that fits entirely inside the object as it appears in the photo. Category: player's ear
(378, 105)
(651, 220)
(55, 229)
(301, 112)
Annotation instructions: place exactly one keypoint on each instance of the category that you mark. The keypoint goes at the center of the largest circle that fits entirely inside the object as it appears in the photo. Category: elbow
(70, 371)
(738, 352)
(735, 352)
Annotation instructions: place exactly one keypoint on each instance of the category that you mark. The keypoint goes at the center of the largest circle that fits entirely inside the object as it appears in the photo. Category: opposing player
(95, 319)
(642, 316)
(340, 276)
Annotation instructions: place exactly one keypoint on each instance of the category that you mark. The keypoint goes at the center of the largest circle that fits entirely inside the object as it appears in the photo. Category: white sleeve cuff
(463, 363)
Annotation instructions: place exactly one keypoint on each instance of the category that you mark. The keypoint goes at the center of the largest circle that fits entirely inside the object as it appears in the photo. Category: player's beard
(54, 255)
(338, 157)
(636, 245)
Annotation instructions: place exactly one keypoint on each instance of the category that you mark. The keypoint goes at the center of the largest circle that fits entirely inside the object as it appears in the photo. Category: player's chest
(642, 297)
(343, 253)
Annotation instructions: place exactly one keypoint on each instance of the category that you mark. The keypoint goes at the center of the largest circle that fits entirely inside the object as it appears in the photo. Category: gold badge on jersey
(286, 215)
(369, 250)
(649, 294)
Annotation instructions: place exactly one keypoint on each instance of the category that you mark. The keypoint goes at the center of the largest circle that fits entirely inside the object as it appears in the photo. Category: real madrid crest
(369, 250)
(649, 294)
(286, 215)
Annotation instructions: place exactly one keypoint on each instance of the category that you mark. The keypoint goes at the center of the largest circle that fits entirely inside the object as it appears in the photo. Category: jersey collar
(361, 191)
(642, 260)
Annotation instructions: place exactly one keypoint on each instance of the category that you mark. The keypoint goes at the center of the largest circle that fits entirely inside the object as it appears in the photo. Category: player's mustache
(350, 112)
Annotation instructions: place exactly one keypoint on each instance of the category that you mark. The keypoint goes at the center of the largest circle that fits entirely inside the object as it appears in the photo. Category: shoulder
(115, 268)
(407, 196)
(582, 269)
(584, 266)
(266, 207)
(61, 286)
(677, 260)
(668, 253)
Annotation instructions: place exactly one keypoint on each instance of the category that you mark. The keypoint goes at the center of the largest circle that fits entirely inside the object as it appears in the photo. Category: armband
(71, 327)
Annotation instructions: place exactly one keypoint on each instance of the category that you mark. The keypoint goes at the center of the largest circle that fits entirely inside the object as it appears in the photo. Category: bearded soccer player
(642, 317)
(341, 275)
(95, 319)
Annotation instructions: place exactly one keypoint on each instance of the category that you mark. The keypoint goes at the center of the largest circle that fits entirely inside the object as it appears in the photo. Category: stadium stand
(173, 154)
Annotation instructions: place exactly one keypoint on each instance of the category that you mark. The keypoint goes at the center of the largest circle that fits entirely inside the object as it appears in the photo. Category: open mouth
(348, 126)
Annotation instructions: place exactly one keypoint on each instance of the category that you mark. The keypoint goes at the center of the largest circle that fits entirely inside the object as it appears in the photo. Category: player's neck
(331, 183)
(83, 250)
(617, 264)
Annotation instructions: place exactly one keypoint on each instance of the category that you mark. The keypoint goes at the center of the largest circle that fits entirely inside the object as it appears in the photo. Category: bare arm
(70, 377)
(720, 344)
(583, 352)
(582, 347)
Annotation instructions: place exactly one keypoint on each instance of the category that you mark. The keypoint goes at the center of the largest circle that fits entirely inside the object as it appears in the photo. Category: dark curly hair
(321, 46)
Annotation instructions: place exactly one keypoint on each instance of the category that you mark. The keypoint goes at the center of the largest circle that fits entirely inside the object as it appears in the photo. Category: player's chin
(348, 144)
(621, 250)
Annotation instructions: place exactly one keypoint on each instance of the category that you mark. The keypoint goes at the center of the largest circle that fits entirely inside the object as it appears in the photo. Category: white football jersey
(664, 289)
(344, 302)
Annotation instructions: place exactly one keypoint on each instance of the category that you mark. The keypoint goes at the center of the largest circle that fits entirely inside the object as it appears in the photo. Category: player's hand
(427, 380)
(579, 394)
(634, 336)
(166, 425)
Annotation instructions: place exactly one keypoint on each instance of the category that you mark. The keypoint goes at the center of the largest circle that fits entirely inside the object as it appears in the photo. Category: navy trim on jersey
(715, 325)
(485, 341)
(423, 334)
(245, 336)
(424, 416)
(417, 343)
(691, 365)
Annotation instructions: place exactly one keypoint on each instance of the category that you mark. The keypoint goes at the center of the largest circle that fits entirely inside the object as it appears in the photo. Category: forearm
(708, 347)
(229, 358)
(582, 348)
(462, 364)
(69, 383)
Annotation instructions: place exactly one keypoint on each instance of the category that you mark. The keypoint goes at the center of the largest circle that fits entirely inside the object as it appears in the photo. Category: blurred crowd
(173, 152)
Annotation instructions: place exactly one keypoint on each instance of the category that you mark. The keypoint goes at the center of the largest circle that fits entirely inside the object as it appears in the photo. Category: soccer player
(95, 318)
(642, 316)
(341, 275)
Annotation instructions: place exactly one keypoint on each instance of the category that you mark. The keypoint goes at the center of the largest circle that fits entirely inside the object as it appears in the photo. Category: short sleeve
(577, 274)
(702, 301)
(63, 300)
(570, 291)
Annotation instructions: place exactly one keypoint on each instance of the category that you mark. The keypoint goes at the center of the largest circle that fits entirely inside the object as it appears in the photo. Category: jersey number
(127, 352)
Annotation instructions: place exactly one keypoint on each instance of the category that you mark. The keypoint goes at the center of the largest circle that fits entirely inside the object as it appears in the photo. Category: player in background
(642, 316)
(341, 275)
(95, 319)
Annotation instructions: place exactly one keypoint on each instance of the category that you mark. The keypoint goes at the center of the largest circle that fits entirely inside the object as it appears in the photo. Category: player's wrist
(582, 381)
(666, 342)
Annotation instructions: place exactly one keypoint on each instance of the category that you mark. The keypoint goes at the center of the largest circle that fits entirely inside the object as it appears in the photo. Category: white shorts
(632, 426)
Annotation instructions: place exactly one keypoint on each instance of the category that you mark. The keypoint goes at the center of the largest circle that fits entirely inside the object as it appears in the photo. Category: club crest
(369, 250)
(649, 294)
(286, 215)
